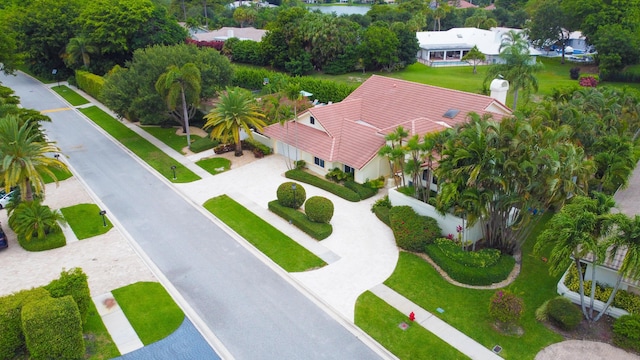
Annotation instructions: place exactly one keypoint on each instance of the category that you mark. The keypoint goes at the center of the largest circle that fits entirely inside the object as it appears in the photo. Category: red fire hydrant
(412, 316)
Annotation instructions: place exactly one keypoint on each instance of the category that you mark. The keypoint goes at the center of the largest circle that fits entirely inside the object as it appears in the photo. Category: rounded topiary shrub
(319, 209)
(626, 332)
(563, 313)
(506, 307)
(289, 197)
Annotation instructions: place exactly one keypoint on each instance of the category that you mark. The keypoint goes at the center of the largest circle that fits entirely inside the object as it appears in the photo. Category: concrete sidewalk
(114, 319)
(361, 252)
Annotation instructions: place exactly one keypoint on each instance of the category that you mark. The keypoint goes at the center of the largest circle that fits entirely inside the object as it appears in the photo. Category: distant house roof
(487, 41)
(248, 33)
(490, 7)
(354, 128)
(462, 4)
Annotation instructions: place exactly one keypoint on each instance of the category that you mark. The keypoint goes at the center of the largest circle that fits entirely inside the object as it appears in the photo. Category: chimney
(499, 88)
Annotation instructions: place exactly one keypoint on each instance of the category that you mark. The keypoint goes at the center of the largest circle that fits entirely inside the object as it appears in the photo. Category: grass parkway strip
(153, 156)
(71, 96)
(280, 248)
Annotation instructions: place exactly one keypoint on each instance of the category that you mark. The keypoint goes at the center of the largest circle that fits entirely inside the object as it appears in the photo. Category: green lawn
(381, 321)
(98, 342)
(85, 220)
(280, 248)
(153, 156)
(71, 96)
(52, 240)
(214, 165)
(466, 309)
(150, 310)
(60, 175)
(169, 137)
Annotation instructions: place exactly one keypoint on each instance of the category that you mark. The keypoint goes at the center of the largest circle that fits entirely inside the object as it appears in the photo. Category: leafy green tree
(408, 45)
(131, 92)
(9, 57)
(30, 219)
(517, 66)
(475, 57)
(550, 25)
(480, 20)
(237, 110)
(576, 232)
(181, 85)
(23, 159)
(79, 49)
(379, 48)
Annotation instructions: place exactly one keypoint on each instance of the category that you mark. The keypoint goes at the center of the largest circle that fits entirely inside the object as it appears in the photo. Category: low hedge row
(318, 231)
(363, 190)
(624, 300)
(323, 184)
(481, 259)
(90, 83)
(626, 332)
(471, 275)
(563, 313)
(413, 232)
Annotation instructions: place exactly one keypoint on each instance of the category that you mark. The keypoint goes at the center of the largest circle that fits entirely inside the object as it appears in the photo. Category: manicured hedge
(323, 90)
(90, 83)
(471, 275)
(74, 283)
(624, 300)
(11, 336)
(363, 190)
(53, 329)
(329, 186)
(563, 313)
(316, 230)
(626, 332)
(319, 209)
(412, 231)
(52, 240)
(289, 197)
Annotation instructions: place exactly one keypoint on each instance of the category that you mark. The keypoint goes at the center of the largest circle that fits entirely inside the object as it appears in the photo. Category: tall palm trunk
(185, 116)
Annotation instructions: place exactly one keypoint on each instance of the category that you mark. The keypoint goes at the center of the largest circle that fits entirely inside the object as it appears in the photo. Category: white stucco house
(348, 135)
(446, 48)
(224, 33)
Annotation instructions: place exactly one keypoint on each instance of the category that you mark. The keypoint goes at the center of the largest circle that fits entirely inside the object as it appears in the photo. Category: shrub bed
(471, 275)
(563, 313)
(381, 209)
(323, 184)
(483, 258)
(12, 338)
(413, 232)
(363, 190)
(319, 209)
(53, 329)
(626, 332)
(52, 240)
(625, 300)
(318, 231)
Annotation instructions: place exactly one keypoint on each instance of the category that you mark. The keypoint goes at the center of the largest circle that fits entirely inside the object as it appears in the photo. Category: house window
(348, 169)
(318, 161)
(312, 120)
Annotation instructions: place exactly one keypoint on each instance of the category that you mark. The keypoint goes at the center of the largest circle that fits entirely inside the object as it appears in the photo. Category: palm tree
(32, 219)
(237, 110)
(23, 159)
(517, 67)
(184, 84)
(80, 48)
(576, 232)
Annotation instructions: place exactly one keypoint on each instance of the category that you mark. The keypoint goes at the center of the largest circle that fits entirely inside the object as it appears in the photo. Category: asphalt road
(252, 310)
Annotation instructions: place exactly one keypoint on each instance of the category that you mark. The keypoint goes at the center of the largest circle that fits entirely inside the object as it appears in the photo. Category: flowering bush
(588, 81)
(506, 307)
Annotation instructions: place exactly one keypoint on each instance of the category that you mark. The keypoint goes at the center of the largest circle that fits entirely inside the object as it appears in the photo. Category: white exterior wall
(575, 298)
(266, 141)
(606, 276)
(448, 223)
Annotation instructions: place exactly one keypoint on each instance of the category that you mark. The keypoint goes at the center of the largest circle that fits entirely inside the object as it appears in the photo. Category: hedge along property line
(480, 276)
(280, 248)
(318, 231)
(90, 83)
(323, 184)
(150, 154)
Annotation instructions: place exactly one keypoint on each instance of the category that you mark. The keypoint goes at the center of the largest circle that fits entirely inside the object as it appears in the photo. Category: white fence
(448, 223)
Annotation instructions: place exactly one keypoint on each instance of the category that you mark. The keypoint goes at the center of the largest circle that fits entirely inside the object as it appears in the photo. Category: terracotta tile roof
(355, 127)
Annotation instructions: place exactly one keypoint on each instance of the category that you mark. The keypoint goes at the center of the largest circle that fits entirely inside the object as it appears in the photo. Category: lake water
(340, 10)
